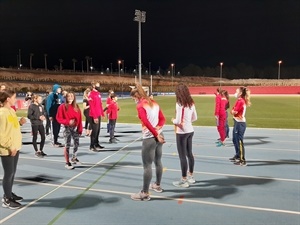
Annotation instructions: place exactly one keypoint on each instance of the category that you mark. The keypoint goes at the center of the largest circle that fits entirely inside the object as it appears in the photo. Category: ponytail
(246, 95)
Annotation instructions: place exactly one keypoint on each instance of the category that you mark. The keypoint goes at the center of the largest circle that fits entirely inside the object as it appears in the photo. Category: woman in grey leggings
(152, 120)
(185, 115)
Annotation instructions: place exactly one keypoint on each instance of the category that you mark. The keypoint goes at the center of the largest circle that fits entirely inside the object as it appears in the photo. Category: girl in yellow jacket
(10, 144)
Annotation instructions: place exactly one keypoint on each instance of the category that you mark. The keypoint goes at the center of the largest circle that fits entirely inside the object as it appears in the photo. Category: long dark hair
(183, 96)
(4, 95)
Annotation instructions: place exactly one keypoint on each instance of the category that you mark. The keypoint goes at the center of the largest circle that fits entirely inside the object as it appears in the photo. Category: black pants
(95, 132)
(47, 124)
(184, 148)
(112, 125)
(35, 130)
(55, 130)
(9, 164)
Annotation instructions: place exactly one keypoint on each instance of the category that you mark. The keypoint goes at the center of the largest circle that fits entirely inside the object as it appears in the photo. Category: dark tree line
(243, 71)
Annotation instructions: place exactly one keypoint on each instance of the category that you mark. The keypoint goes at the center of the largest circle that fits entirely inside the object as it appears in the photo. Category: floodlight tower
(140, 17)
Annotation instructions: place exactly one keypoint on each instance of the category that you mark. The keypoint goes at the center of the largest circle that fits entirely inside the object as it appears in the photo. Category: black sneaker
(38, 154)
(94, 149)
(233, 159)
(16, 197)
(74, 160)
(10, 203)
(43, 153)
(112, 141)
(99, 146)
(58, 145)
(69, 166)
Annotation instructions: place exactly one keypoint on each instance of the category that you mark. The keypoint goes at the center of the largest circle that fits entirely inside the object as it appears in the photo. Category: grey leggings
(9, 164)
(151, 151)
(184, 148)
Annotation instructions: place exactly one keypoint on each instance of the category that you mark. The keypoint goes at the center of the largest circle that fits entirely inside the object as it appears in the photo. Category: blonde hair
(139, 93)
(245, 94)
(86, 93)
(35, 98)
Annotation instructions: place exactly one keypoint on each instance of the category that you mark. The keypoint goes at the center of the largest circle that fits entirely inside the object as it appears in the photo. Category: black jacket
(34, 113)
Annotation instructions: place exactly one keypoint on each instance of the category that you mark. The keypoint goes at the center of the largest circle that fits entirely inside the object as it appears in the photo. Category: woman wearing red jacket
(239, 111)
(152, 120)
(220, 114)
(69, 115)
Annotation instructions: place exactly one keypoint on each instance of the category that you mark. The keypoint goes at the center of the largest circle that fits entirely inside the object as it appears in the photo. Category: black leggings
(184, 148)
(9, 164)
(56, 129)
(35, 130)
(95, 133)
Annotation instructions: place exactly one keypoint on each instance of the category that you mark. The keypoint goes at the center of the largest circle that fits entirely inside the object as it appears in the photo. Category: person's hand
(96, 121)
(72, 122)
(22, 121)
(160, 139)
(13, 152)
(158, 127)
(42, 117)
(216, 117)
(50, 118)
(172, 119)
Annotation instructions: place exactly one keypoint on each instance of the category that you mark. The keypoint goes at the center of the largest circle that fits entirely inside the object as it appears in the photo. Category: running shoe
(191, 179)
(10, 203)
(182, 183)
(75, 160)
(141, 196)
(156, 188)
(38, 154)
(69, 166)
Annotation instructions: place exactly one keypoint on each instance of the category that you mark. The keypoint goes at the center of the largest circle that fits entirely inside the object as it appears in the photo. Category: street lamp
(119, 65)
(172, 72)
(140, 17)
(279, 63)
(221, 67)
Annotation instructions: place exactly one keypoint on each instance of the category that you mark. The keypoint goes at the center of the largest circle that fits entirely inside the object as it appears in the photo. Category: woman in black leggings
(37, 115)
(185, 115)
(10, 144)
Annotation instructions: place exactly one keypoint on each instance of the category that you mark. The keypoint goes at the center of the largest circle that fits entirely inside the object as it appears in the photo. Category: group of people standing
(66, 111)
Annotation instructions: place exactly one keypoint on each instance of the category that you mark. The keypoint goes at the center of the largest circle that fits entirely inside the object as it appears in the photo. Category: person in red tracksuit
(220, 114)
(112, 114)
(69, 114)
(96, 112)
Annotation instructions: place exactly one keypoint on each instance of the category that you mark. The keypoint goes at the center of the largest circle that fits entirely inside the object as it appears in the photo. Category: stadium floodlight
(221, 71)
(279, 63)
(140, 17)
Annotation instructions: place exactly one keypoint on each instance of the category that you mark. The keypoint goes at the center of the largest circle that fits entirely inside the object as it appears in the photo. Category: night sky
(201, 32)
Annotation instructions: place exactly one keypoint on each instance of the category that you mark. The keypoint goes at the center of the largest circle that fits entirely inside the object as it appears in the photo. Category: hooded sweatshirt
(95, 102)
(53, 101)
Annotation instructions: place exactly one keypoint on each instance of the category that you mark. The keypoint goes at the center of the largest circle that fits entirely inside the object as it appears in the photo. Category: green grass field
(265, 112)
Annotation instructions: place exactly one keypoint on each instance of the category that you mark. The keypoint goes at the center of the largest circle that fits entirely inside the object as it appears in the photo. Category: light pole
(140, 17)
(172, 73)
(111, 69)
(119, 67)
(279, 63)
(221, 68)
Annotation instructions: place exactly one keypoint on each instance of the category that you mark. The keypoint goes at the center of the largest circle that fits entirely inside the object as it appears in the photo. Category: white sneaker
(191, 179)
(69, 166)
(182, 183)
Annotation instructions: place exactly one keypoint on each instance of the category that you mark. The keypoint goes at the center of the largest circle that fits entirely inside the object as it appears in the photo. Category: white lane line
(64, 183)
(174, 199)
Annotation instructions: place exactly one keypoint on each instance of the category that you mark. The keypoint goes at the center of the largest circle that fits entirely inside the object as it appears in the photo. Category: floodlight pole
(140, 17)
(221, 70)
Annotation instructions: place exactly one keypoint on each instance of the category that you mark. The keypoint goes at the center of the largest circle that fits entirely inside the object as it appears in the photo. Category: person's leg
(9, 164)
(158, 163)
(41, 130)
(227, 126)
(47, 125)
(75, 136)
(235, 139)
(67, 137)
(148, 153)
(34, 137)
(181, 141)
(190, 156)
(93, 139)
(221, 128)
(112, 124)
(56, 128)
(240, 136)
(98, 131)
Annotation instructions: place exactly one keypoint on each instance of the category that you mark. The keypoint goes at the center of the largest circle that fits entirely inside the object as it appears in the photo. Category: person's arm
(5, 140)
(92, 106)
(30, 113)
(142, 114)
(237, 107)
(217, 105)
(161, 119)
(79, 126)
(49, 103)
(194, 114)
(60, 116)
(178, 118)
